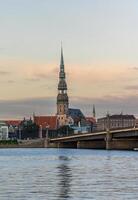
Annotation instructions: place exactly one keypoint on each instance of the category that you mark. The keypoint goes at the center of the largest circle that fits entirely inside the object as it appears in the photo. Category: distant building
(13, 126)
(67, 116)
(91, 123)
(3, 131)
(136, 125)
(116, 122)
(46, 123)
(78, 118)
(28, 129)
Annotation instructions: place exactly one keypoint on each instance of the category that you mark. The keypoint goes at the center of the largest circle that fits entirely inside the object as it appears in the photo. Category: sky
(100, 44)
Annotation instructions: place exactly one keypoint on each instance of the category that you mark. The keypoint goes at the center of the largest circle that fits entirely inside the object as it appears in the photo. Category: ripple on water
(56, 174)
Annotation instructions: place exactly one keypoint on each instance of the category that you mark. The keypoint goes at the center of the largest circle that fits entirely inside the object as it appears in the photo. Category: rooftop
(50, 121)
(13, 122)
(119, 116)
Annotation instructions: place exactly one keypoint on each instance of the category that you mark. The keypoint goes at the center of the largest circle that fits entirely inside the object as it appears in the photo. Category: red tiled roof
(91, 119)
(44, 121)
(13, 122)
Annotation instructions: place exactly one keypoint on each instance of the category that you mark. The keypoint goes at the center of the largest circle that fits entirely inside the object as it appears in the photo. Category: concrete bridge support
(120, 144)
(108, 140)
(94, 144)
(67, 145)
(123, 144)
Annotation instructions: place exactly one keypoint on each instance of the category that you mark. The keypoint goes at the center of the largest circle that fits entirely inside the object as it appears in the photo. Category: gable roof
(75, 113)
(44, 121)
(13, 122)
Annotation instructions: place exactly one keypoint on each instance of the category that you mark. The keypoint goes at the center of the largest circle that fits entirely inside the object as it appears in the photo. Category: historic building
(46, 124)
(66, 115)
(72, 117)
(68, 119)
(13, 127)
(116, 122)
(62, 97)
(3, 131)
(91, 123)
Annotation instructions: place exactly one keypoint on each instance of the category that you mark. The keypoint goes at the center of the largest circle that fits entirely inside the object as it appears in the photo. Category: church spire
(62, 97)
(61, 60)
(62, 73)
(94, 113)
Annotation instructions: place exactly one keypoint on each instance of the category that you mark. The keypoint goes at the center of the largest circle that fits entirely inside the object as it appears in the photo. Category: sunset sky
(100, 44)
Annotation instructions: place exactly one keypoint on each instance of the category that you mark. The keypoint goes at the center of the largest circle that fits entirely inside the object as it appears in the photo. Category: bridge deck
(128, 132)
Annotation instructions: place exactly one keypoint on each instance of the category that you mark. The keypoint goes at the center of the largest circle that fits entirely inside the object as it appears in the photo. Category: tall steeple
(62, 97)
(62, 73)
(94, 113)
(62, 60)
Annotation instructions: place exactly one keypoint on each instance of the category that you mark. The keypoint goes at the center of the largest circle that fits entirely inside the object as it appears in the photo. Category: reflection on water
(65, 174)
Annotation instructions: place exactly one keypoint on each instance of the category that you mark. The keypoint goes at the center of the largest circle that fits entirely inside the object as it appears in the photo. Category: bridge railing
(60, 134)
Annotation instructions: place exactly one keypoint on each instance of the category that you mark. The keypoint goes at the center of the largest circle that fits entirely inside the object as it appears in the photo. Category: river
(68, 174)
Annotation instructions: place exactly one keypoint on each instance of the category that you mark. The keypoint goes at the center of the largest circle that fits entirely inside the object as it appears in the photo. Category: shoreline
(35, 143)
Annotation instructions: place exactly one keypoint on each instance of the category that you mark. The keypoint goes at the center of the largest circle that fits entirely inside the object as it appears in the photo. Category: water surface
(65, 174)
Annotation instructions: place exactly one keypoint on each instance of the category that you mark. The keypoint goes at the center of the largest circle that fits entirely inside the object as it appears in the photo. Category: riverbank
(35, 143)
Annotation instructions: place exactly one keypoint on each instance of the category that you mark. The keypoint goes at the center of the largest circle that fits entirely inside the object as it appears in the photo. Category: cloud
(96, 74)
(131, 87)
(134, 68)
(112, 104)
(3, 73)
(42, 75)
(47, 106)
(32, 79)
(26, 107)
(55, 70)
(39, 73)
(83, 80)
(11, 81)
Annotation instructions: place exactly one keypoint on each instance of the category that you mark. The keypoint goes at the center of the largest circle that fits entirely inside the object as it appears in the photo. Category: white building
(3, 131)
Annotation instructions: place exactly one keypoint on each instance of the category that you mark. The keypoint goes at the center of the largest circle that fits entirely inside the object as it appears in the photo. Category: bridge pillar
(108, 140)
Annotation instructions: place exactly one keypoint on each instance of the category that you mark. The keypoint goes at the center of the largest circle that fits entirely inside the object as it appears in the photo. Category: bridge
(123, 139)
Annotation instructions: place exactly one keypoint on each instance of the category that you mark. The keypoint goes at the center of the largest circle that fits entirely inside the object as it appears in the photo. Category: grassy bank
(8, 142)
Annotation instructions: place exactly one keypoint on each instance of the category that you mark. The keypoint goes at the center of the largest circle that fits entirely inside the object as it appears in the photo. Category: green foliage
(8, 142)
(29, 129)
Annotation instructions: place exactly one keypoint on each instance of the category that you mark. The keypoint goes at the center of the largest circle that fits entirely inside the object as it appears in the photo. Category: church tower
(94, 113)
(62, 97)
